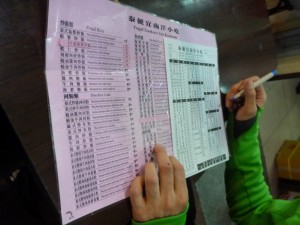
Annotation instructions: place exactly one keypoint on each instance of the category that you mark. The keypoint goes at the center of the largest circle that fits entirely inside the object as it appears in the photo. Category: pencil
(257, 83)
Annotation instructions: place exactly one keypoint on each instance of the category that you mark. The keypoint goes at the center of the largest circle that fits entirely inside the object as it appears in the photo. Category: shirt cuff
(241, 126)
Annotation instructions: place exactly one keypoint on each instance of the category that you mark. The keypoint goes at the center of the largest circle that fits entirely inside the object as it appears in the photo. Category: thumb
(248, 110)
(250, 95)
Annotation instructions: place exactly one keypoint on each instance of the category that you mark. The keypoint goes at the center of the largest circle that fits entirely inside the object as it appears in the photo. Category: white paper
(108, 97)
(198, 132)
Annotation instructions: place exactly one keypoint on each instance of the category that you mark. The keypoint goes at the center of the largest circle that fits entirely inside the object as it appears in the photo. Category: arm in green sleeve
(171, 220)
(247, 191)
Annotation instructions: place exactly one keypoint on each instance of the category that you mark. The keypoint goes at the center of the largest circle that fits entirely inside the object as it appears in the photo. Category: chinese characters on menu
(119, 81)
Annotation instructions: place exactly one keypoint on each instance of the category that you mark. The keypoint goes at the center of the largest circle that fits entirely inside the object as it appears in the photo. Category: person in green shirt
(162, 199)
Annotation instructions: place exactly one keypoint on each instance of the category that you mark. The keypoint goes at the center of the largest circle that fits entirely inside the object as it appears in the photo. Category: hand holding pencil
(245, 96)
(257, 83)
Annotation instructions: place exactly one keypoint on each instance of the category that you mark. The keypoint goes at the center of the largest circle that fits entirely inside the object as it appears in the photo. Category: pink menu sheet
(109, 76)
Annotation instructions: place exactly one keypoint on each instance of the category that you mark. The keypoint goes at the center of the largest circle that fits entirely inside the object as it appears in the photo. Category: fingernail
(158, 146)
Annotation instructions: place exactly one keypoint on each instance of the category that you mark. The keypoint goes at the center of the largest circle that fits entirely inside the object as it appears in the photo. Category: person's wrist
(243, 115)
(179, 218)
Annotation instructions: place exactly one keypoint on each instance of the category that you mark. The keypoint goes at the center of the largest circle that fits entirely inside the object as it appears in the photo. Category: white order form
(195, 105)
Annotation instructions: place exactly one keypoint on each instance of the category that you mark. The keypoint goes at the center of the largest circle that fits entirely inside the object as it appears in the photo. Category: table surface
(245, 47)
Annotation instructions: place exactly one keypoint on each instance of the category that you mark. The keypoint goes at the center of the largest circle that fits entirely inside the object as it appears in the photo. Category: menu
(120, 80)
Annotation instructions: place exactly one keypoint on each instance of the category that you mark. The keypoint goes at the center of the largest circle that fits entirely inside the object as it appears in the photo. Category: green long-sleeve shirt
(248, 195)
